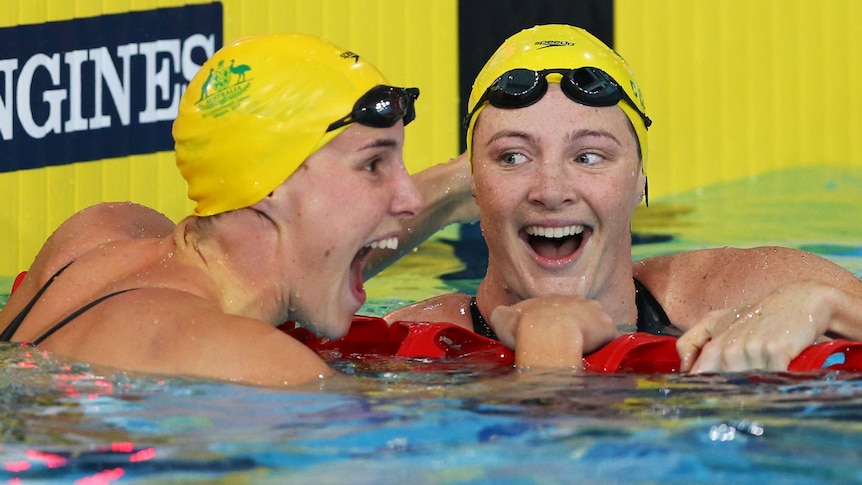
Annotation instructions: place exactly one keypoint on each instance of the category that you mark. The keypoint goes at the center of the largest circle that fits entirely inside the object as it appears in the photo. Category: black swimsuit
(10, 330)
(651, 316)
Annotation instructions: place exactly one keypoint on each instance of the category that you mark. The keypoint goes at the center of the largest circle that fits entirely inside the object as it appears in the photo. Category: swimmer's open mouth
(554, 243)
(356, 266)
(387, 243)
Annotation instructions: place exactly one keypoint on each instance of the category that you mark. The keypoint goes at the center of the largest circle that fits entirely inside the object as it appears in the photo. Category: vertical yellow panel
(742, 87)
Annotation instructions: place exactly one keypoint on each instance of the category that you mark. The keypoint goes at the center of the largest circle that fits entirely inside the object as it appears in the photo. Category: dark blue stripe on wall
(99, 87)
(484, 24)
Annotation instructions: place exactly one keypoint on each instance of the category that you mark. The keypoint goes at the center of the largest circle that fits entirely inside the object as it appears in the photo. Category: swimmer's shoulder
(690, 284)
(449, 308)
(107, 222)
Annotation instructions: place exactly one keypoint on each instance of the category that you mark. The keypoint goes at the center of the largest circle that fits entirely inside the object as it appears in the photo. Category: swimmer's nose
(408, 200)
(551, 187)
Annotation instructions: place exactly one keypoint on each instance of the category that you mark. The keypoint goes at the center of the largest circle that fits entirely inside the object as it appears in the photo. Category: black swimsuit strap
(62, 323)
(10, 330)
(480, 326)
(652, 318)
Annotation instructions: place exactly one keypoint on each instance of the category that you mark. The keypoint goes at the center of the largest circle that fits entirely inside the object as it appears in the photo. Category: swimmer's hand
(554, 331)
(765, 335)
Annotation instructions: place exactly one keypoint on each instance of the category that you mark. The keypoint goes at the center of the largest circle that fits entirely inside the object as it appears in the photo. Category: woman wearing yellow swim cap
(557, 133)
(292, 149)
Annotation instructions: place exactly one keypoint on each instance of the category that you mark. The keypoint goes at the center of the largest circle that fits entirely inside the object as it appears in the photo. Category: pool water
(391, 421)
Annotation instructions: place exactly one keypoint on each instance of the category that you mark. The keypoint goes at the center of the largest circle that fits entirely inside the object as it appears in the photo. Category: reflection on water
(447, 422)
(401, 420)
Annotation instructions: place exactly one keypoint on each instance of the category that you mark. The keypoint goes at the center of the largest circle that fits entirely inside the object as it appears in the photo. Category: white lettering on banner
(163, 60)
(53, 96)
(7, 67)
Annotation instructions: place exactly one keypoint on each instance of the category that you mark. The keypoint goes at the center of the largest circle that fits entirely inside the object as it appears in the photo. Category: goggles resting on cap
(381, 107)
(590, 86)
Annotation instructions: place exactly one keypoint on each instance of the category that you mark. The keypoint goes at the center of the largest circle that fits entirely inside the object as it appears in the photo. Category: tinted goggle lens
(589, 86)
(381, 107)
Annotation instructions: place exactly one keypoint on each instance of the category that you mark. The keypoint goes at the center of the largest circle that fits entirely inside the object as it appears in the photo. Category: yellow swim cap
(559, 47)
(257, 109)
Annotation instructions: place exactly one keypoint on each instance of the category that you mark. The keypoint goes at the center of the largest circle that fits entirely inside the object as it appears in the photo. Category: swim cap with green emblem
(260, 107)
(589, 72)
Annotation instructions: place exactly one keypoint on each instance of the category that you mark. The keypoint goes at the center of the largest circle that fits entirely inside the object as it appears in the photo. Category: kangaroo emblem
(206, 85)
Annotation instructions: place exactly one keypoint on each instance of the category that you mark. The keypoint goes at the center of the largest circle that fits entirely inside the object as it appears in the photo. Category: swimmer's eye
(513, 158)
(373, 166)
(589, 158)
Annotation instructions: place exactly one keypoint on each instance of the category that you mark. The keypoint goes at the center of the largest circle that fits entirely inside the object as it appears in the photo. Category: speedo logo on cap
(350, 55)
(543, 44)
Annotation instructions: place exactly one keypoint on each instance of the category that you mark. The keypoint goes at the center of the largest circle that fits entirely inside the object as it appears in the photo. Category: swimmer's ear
(267, 208)
(270, 205)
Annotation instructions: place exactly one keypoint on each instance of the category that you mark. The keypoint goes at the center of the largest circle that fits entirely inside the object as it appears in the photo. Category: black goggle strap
(589, 86)
(381, 107)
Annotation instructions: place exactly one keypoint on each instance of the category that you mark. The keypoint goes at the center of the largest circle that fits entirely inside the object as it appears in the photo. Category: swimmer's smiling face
(557, 184)
(345, 199)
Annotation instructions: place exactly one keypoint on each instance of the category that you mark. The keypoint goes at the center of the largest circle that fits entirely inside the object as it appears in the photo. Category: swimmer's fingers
(714, 345)
(690, 343)
(727, 354)
(745, 339)
(554, 332)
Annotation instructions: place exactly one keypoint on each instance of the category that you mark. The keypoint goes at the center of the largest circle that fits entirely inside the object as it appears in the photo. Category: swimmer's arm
(447, 196)
(692, 284)
(451, 308)
(252, 353)
(273, 359)
(753, 308)
(846, 318)
(167, 332)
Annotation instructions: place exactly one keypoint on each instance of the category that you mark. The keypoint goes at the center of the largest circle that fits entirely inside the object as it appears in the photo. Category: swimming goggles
(381, 107)
(589, 86)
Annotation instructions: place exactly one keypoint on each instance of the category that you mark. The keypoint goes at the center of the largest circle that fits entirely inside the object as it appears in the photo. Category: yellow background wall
(741, 87)
(735, 87)
(396, 35)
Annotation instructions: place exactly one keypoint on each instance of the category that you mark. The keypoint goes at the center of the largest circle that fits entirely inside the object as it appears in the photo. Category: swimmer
(557, 139)
(297, 174)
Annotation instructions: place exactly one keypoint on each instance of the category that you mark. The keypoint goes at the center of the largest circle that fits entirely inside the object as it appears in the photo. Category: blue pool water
(410, 421)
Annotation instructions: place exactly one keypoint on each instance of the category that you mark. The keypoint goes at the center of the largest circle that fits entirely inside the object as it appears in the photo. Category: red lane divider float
(639, 353)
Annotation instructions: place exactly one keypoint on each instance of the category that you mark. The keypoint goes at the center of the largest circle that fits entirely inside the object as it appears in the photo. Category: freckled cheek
(494, 209)
(497, 195)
